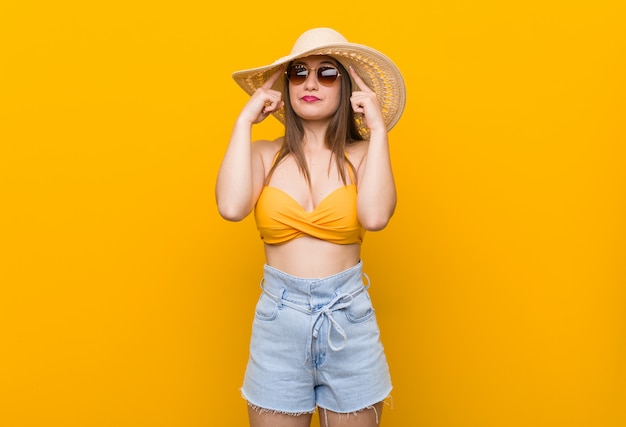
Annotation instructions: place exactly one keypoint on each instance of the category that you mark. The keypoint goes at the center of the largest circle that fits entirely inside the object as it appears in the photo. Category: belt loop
(281, 297)
(367, 278)
(277, 298)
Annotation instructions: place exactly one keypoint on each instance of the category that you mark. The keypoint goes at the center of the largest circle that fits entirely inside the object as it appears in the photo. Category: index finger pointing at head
(359, 81)
(272, 79)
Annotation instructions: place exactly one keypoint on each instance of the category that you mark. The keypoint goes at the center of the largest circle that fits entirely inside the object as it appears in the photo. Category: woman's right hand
(264, 100)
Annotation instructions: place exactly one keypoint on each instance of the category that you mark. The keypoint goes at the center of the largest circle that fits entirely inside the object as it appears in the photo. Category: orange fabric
(280, 218)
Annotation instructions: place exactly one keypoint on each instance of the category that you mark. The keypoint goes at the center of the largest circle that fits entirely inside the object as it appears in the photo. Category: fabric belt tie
(326, 312)
(340, 302)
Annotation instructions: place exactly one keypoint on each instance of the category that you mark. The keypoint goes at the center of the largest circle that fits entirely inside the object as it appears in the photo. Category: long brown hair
(341, 131)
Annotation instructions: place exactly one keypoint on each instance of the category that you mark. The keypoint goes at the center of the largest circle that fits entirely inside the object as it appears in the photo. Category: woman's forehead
(316, 59)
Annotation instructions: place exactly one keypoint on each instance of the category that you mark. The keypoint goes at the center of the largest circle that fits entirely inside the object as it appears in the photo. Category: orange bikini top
(280, 218)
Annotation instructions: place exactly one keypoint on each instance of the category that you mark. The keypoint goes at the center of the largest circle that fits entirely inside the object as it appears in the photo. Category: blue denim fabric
(315, 342)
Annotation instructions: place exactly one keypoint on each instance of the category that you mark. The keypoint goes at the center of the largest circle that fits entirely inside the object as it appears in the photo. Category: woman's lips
(310, 98)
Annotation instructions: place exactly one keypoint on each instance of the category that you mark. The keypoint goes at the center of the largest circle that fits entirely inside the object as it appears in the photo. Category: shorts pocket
(266, 308)
(361, 308)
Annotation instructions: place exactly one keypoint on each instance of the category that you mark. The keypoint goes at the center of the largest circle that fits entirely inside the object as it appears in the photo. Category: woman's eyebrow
(324, 62)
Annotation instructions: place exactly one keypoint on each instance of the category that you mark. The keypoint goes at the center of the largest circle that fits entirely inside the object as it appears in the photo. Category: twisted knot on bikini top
(280, 218)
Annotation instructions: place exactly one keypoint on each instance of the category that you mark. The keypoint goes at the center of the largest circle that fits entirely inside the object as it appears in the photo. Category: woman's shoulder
(268, 144)
(356, 151)
(267, 149)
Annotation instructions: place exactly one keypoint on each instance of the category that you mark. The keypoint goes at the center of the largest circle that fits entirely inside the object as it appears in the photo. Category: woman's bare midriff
(309, 257)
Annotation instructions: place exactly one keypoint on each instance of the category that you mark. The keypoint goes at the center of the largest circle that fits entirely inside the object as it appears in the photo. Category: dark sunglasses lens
(327, 75)
(297, 74)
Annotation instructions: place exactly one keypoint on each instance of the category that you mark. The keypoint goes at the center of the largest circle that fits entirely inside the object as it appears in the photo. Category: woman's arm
(241, 173)
(377, 196)
(233, 190)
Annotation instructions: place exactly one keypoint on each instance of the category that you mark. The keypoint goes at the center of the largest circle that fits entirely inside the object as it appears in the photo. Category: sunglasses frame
(317, 74)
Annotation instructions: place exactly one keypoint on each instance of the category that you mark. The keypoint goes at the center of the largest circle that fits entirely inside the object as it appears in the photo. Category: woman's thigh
(368, 417)
(268, 419)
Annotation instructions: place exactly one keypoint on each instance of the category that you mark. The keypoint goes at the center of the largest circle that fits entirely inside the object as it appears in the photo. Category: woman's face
(312, 99)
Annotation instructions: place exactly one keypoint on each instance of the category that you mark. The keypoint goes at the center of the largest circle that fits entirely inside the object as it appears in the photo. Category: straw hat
(376, 69)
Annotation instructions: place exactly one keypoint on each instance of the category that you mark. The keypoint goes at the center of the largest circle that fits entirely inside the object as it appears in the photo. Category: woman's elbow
(375, 223)
(231, 212)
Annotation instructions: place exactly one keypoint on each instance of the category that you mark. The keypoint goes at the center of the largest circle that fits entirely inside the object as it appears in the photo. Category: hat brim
(378, 72)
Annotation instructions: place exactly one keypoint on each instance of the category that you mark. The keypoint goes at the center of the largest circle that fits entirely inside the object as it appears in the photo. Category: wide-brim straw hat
(377, 71)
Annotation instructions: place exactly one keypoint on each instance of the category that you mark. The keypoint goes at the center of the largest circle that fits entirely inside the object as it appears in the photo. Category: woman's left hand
(365, 101)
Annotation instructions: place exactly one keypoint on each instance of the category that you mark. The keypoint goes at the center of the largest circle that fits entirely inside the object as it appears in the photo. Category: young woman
(315, 191)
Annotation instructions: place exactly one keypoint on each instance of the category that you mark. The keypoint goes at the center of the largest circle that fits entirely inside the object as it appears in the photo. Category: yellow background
(499, 284)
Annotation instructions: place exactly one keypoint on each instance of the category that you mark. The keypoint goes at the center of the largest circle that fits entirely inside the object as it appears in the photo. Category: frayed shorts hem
(383, 398)
(262, 409)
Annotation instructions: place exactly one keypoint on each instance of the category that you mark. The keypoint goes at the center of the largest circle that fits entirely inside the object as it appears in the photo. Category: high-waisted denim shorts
(315, 342)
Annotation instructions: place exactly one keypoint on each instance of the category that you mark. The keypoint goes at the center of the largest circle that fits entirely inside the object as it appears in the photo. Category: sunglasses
(298, 73)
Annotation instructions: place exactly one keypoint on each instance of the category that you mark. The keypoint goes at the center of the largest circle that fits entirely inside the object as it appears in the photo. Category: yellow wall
(500, 283)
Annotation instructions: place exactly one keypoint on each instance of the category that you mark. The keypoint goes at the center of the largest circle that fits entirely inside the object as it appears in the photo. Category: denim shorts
(315, 343)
